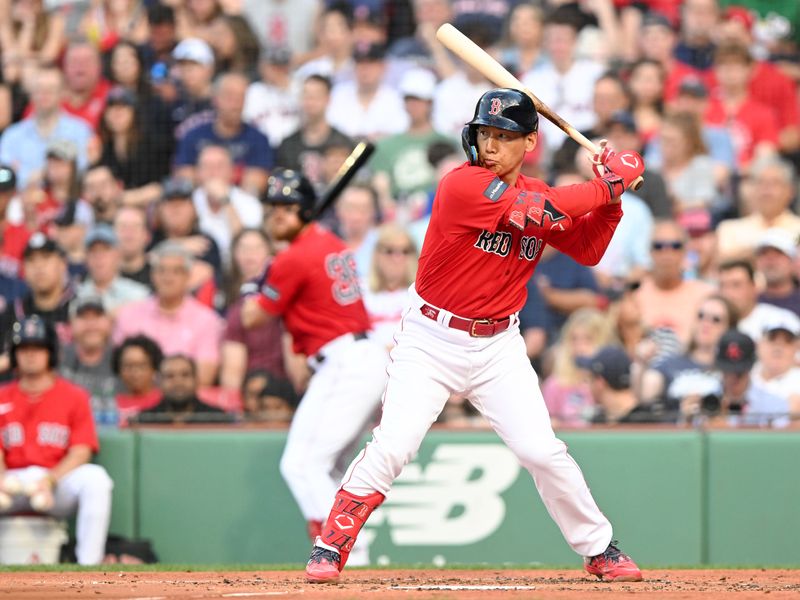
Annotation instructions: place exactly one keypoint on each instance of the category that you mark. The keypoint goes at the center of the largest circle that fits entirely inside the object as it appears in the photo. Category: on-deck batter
(313, 286)
(48, 438)
(461, 333)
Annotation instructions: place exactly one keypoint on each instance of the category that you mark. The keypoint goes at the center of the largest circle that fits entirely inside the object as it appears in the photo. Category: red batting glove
(622, 169)
(601, 157)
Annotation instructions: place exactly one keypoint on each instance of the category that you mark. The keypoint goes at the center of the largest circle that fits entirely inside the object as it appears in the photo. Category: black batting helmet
(287, 186)
(503, 108)
(34, 331)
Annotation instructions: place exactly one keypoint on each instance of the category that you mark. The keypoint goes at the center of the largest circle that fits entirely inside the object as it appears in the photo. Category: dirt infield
(408, 584)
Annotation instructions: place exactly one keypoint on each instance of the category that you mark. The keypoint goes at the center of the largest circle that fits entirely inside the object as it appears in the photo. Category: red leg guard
(348, 515)
(314, 529)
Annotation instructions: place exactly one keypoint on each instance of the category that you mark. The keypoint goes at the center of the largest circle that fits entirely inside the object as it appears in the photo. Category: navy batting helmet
(503, 108)
(34, 331)
(286, 186)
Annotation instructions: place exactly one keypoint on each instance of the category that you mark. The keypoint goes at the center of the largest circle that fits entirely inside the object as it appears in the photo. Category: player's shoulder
(8, 389)
(467, 177)
(531, 183)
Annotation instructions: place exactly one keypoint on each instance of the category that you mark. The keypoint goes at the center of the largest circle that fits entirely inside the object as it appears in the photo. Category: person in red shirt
(86, 90)
(753, 125)
(461, 334)
(48, 438)
(313, 286)
(13, 237)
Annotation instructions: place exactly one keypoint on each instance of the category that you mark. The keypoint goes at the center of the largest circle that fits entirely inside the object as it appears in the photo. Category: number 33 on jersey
(313, 285)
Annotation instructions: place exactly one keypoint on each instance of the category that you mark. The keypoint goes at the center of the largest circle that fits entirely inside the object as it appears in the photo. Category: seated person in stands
(671, 378)
(179, 401)
(267, 398)
(743, 401)
(86, 361)
(136, 362)
(615, 401)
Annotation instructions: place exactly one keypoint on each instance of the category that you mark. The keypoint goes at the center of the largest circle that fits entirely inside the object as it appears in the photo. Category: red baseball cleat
(323, 566)
(613, 565)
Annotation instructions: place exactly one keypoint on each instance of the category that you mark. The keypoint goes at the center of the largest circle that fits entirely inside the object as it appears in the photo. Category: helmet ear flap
(469, 142)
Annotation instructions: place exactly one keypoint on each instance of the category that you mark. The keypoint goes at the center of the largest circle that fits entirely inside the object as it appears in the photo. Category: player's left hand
(41, 494)
(600, 157)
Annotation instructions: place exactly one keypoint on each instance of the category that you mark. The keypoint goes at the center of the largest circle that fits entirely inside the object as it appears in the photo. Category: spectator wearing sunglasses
(666, 298)
(669, 380)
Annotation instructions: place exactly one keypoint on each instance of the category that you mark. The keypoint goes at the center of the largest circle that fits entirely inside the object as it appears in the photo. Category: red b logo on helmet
(494, 109)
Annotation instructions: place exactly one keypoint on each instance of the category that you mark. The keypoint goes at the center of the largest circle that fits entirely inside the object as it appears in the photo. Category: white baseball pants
(343, 394)
(429, 362)
(86, 490)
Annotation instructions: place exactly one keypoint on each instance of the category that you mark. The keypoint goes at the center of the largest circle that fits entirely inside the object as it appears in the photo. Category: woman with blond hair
(566, 391)
(392, 271)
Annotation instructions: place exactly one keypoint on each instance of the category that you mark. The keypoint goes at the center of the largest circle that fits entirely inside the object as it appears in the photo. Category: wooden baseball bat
(358, 157)
(475, 56)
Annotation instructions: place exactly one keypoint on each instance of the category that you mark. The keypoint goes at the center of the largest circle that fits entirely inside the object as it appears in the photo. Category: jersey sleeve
(586, 241)
(82, 428)
(283, 282)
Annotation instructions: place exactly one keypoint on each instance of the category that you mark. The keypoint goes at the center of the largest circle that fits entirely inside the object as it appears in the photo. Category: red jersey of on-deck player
(40, 431)
(475, 265)
(313, 285)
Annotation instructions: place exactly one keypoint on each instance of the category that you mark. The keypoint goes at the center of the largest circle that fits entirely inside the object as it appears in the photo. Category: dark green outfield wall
(675, 498)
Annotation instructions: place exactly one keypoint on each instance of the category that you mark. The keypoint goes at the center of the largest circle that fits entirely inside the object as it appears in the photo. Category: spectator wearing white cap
(403, 158)
(776, 369)
(194, 70)
(272, 104)
(775, 256)
(366, 106)
(103, 279)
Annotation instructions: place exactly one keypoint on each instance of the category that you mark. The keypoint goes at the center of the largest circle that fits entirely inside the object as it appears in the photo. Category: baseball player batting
(313, 285)
(48, 438)
(461, 333)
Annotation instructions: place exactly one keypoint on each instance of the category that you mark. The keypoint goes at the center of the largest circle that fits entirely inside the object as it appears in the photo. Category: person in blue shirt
(249, 148)
(23, 145)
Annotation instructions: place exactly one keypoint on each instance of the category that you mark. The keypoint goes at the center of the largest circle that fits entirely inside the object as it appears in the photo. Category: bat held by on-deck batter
(486, 65)
(357, 159)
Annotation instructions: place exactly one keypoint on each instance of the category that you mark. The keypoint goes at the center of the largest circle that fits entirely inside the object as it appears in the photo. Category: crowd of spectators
(137, 136)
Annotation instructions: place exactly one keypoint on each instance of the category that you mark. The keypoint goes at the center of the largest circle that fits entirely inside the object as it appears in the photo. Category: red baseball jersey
(749, 125)
(40, 431)
(313, 285)
(475, 265)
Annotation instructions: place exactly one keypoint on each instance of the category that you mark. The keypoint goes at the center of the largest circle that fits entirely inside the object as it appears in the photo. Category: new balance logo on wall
(455, 499)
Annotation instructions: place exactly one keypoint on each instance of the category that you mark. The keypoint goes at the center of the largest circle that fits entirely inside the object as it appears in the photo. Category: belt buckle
(476, 322)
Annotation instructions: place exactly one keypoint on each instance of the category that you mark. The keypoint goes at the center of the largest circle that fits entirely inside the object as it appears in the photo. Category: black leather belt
(361, 335)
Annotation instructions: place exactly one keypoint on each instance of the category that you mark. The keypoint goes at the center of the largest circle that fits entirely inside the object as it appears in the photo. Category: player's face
(501, 151)
(283, 221)
(32, 360)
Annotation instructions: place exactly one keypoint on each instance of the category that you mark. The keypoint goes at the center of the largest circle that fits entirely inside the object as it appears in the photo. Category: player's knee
(536, 455)
(97, 480)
